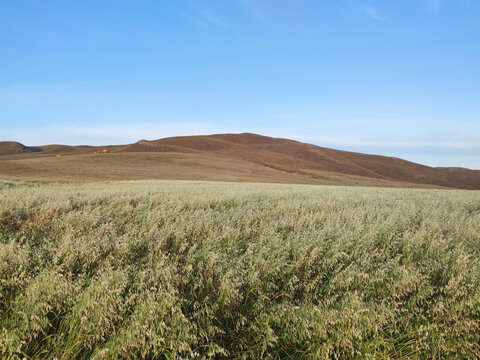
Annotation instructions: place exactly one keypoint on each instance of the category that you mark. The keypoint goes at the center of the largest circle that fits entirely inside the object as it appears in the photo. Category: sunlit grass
(164, 270)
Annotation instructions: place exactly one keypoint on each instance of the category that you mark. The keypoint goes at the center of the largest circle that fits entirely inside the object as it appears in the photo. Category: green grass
(179, 270)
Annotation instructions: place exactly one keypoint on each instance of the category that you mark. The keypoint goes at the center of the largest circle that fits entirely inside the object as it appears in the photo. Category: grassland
(223, 157)
(122, 166)
(166, 270)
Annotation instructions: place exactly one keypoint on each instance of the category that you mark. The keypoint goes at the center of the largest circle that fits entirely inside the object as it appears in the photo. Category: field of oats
(180, 270)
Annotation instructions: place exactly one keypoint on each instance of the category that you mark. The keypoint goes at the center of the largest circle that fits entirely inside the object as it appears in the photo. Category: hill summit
(13, 147)
(225, 157)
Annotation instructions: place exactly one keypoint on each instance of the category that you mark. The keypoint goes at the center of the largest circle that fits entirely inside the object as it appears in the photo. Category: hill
(13, 147)
(227, 157)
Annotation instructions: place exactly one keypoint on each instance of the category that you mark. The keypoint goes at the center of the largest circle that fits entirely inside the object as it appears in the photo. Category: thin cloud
(424, 144)
(209, 17)
(341, 140)
(200, 23)
(373, 13)
(253, 9)
(106, 134)
(432, 5)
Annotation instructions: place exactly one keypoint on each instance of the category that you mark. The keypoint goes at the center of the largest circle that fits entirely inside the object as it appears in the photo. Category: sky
(397, 78)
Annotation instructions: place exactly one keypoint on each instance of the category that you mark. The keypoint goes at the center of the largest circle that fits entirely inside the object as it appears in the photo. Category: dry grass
(170, 270)
(225, 157)
(164, 166)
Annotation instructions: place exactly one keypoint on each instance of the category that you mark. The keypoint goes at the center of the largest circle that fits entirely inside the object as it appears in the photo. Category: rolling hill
(223, 157)
(13, 147)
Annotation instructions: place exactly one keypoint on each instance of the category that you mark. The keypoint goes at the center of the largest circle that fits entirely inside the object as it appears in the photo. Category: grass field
(171, 269)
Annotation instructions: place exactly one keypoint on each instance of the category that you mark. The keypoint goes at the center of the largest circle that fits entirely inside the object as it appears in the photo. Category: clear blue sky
(399, 78)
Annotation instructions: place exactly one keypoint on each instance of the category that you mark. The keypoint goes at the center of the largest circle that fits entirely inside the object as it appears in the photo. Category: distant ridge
(232, 157)
(13, 147)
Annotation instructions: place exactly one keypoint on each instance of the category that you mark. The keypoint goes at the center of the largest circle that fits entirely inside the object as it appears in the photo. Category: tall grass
(184, 270)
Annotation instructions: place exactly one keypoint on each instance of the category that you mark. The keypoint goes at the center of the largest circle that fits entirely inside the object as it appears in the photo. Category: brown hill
(313, 161)
(49, 149)
(13, 147)
(152, 146)
(232, 157)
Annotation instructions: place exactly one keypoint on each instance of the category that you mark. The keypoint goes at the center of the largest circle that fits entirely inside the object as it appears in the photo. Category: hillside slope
(225, 157)
(313, 161)
(13, 148)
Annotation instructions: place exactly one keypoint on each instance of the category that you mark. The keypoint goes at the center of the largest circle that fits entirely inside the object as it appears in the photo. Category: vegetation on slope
(164, 270)
(228, 157)
(13, 147)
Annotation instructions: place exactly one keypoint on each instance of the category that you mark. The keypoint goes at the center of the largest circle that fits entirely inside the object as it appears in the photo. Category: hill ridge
(14, 147)
(212, 157)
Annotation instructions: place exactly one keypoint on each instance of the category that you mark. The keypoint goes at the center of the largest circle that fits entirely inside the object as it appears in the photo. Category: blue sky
(399, 78)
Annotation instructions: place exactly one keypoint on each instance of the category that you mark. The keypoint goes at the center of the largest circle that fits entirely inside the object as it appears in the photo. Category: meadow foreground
(172, 269)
